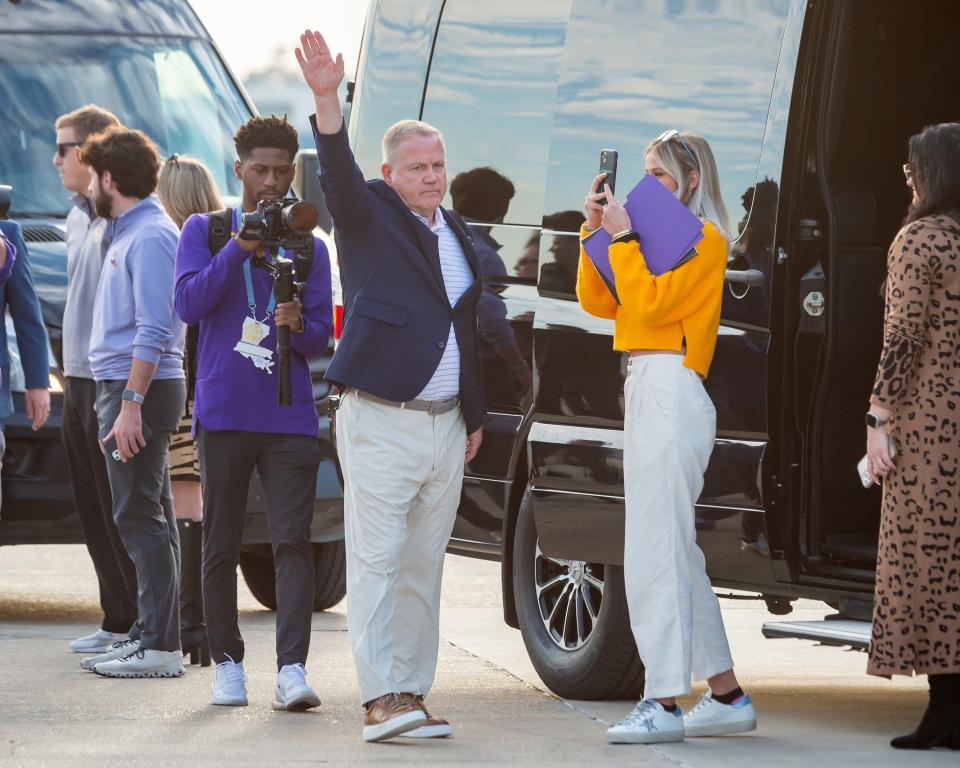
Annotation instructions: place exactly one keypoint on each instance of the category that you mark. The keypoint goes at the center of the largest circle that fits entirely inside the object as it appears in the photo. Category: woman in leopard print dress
(916, 621)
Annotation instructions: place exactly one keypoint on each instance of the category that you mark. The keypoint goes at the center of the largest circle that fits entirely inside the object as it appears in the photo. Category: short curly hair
(274, 132)
(130, 156)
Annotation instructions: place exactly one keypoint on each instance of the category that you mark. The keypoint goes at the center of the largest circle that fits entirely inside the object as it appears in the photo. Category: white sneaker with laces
(292, 692)
(713, 718)
(98, 642)
(648, 723)
(118, 650)
(229, 684)
(145, 662)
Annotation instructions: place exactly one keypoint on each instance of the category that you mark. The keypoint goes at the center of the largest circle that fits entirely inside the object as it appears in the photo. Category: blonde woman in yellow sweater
(669, 324)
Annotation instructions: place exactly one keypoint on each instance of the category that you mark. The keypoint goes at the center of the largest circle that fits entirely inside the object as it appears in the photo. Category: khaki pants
(403, 474)
(669, 429)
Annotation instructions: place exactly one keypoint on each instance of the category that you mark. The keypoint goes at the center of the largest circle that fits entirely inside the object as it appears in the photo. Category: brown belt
(432, 407)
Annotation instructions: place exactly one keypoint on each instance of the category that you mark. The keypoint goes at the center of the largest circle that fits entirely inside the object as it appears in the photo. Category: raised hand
(321, 71)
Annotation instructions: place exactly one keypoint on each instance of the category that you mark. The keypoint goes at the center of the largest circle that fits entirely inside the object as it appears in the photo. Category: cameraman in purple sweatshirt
(240, 425)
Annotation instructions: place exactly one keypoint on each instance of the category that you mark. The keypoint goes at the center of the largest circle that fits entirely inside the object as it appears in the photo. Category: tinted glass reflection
(167, 88)
(396, 51)
(634, 68)
(492, 86)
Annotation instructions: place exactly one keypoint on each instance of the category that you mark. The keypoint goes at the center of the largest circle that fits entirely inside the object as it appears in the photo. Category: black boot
(940, 726)
(193, 632)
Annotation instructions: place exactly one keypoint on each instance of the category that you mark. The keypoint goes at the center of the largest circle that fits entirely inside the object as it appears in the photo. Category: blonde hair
(706, 202)
(398, 132)
(186, 187)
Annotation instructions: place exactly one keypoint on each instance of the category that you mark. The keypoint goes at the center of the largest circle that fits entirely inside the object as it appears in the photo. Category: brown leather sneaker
(390, 715)
(433, 727)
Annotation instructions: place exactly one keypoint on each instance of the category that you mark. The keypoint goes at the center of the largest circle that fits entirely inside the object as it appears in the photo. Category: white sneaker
(143, 663)
(98, 642)
(292, 692)
(648, 723)
(118, 650)
(713, 718)
(229, 684)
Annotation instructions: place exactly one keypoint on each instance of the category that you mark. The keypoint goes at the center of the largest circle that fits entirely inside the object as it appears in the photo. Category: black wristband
(626, 237)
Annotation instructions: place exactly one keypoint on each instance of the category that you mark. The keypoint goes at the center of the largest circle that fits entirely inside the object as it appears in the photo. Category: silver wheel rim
(569, 595)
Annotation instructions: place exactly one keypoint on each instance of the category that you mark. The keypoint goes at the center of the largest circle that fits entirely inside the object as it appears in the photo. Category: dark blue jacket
(396, 312)
(19, 296)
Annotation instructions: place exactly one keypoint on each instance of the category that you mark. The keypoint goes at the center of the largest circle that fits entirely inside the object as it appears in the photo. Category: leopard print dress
(916, 619)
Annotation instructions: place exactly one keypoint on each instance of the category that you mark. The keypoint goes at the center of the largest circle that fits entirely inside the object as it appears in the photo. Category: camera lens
(301, 217)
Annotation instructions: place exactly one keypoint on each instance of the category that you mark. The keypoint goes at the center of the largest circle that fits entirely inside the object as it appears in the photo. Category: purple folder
(668, 232)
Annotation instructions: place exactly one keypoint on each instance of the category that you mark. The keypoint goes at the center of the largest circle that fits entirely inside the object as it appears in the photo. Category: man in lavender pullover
(240, 425)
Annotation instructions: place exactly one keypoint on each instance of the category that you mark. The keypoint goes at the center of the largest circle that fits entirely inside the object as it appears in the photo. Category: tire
(586, 659)
(330, 579)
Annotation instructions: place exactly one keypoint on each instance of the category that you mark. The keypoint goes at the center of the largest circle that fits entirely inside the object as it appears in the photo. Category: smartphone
(864, 472)
(110, 447)
(608, 165)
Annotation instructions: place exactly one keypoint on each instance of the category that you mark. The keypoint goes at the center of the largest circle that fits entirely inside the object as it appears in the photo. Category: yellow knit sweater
(660, 312)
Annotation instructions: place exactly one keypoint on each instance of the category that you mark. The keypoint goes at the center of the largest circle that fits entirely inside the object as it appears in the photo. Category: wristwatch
(132, 396)
(874, 421)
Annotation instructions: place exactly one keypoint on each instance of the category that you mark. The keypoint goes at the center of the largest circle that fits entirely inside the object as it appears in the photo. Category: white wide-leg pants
(403, 474)
(669, 431)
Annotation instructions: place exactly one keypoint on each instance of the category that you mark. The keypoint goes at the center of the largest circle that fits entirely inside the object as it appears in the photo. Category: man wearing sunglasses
(87, 242)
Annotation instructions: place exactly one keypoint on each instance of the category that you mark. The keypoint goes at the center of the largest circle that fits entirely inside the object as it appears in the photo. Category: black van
(154, 65)
(808, 105)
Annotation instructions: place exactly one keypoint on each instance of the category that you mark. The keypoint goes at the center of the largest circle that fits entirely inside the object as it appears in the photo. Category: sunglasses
(908, 171)
(672, 134)
(63, 146)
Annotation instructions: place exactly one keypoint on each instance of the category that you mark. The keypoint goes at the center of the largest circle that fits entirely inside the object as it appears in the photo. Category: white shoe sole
(645, 738)
(297, 703)
(722, 729)
(94, 649)
(139, 674)
(429, 732)
(226, 701)
(393, 727)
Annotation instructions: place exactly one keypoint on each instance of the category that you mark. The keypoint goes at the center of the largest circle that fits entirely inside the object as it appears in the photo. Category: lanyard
(248, 277)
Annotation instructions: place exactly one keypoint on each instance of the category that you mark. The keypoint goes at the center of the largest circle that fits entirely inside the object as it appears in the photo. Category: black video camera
(287, 224)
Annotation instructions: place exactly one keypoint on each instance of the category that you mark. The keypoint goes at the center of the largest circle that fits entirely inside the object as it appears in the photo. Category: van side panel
(395, 55)
(620, 91)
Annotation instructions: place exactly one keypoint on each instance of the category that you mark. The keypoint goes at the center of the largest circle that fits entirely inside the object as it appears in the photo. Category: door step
(842, 632)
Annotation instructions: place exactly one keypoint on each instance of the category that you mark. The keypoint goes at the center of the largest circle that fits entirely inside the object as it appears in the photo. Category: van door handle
(749, 277)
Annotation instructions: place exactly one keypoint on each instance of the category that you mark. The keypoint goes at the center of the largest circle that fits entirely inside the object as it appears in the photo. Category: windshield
(174, 90)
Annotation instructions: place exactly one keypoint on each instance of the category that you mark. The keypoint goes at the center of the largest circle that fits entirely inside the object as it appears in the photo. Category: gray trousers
(143, 508)
(287, 465)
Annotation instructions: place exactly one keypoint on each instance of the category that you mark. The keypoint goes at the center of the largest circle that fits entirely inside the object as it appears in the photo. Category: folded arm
(905, 325)
(672, 296)
(592, 292)
(202, 281)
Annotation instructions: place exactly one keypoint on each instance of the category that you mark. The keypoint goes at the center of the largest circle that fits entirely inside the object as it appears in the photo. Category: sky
(254, 33)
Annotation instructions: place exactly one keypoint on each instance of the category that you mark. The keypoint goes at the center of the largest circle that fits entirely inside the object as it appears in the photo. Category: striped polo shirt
(457, 277)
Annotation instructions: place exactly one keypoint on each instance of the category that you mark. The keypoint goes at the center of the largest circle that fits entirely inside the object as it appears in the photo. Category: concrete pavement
(816, 705)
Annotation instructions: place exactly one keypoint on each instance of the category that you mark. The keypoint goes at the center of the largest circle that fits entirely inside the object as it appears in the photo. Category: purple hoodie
(232, 393)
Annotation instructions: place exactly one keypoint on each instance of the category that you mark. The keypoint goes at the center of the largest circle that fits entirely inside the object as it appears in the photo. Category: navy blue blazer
(19, 296)
(396, 312)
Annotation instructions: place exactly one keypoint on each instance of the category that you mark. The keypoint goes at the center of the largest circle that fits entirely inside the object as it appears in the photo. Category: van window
(491, 91)
(634, 68)
(176, 91)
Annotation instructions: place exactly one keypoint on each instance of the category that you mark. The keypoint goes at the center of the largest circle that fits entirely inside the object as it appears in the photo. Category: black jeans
(143, 508)
(91, 495)
(287, 465)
